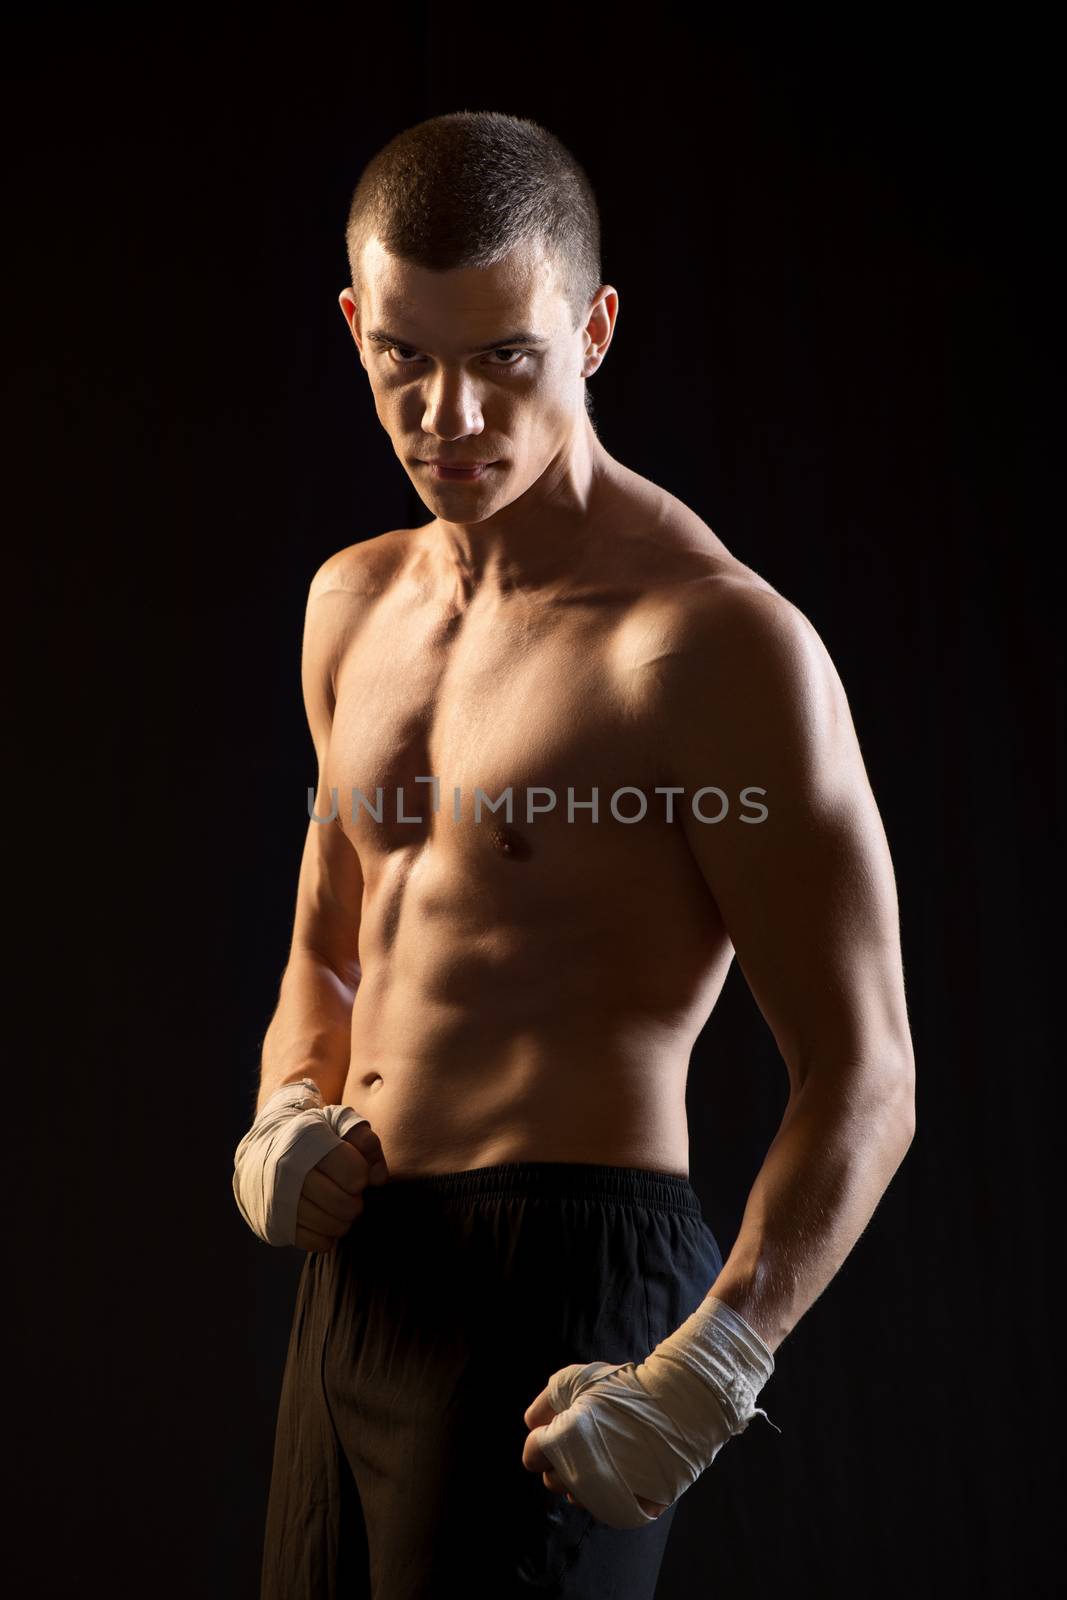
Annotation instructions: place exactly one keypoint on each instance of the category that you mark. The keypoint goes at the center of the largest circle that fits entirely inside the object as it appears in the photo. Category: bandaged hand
(300, 1170)
(647, 1430)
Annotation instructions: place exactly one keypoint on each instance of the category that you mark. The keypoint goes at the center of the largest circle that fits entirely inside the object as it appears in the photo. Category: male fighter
(573, 756)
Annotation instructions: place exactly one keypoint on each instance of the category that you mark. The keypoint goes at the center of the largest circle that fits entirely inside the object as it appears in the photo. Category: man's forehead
(518, 292)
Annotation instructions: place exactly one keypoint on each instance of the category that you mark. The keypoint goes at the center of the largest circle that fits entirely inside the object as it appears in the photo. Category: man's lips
(460, 471)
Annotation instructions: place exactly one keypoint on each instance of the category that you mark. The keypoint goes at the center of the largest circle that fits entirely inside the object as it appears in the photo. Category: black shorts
(417, 1344)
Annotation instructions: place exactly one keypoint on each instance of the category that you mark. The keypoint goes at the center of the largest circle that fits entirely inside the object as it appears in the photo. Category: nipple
(509, 841)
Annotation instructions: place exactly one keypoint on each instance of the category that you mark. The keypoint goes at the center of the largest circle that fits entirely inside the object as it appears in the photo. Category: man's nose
(452, 409)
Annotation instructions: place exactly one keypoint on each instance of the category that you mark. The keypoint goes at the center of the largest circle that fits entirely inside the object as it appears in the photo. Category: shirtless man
(516, 1342)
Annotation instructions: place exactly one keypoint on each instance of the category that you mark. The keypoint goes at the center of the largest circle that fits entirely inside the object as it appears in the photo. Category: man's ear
(350, 311)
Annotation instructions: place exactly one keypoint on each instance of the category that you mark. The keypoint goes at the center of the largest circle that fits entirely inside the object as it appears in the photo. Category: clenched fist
(300, 1170)
(332, 1196)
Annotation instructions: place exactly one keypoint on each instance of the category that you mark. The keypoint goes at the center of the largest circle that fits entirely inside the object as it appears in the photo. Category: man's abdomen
(483, 1034)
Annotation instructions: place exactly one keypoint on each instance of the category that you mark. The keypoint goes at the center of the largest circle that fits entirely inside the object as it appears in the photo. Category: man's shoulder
(741, 668)
(708, 624)
(680, 568)
(731, 614)
(343, 594)
(696, 599)
(363, 570)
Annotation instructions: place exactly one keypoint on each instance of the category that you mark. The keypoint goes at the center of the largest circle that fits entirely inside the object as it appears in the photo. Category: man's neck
(541, 537)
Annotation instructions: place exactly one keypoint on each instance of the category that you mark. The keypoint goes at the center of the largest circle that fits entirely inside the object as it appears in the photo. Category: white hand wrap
(291, 1134)
(651, 1428)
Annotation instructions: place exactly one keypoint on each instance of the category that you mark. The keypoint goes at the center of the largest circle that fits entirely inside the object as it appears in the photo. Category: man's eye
(404, 351)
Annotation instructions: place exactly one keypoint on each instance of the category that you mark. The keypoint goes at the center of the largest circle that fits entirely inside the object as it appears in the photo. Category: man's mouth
(462, 473)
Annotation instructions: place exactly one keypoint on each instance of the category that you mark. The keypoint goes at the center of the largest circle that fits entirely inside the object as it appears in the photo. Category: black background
(835, 277)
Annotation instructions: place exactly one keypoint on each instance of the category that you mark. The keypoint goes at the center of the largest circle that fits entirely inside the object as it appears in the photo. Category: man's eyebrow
(382, 336)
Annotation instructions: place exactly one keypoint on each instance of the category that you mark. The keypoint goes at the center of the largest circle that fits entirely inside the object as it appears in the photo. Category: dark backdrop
(834, 273)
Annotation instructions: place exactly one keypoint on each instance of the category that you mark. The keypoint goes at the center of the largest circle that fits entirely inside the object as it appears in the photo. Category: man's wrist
(303, 1093)
(717, 1350)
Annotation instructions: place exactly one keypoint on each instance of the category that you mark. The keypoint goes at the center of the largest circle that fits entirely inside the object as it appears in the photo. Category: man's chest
(528, 713)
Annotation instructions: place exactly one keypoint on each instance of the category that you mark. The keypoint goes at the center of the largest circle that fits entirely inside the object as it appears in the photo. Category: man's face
(442, 396)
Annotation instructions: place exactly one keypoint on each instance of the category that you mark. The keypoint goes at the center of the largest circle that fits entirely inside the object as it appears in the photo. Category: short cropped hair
(466, 188)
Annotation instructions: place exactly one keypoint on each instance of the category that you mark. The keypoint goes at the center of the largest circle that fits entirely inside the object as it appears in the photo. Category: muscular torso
(531, 990)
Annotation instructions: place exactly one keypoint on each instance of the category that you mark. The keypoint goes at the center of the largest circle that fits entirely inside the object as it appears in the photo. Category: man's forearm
(310, 1032)
(828, 1166)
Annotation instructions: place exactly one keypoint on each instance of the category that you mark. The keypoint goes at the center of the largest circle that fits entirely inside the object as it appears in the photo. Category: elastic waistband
(663, 1191)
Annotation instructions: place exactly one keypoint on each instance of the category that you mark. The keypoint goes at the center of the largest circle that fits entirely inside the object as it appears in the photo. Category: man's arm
(809, 902)
(309, 1034)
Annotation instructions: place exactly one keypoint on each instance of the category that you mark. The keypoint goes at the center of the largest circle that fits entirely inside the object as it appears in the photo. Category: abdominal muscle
(434, 1115)
(523, 1011)
(460, 1062)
